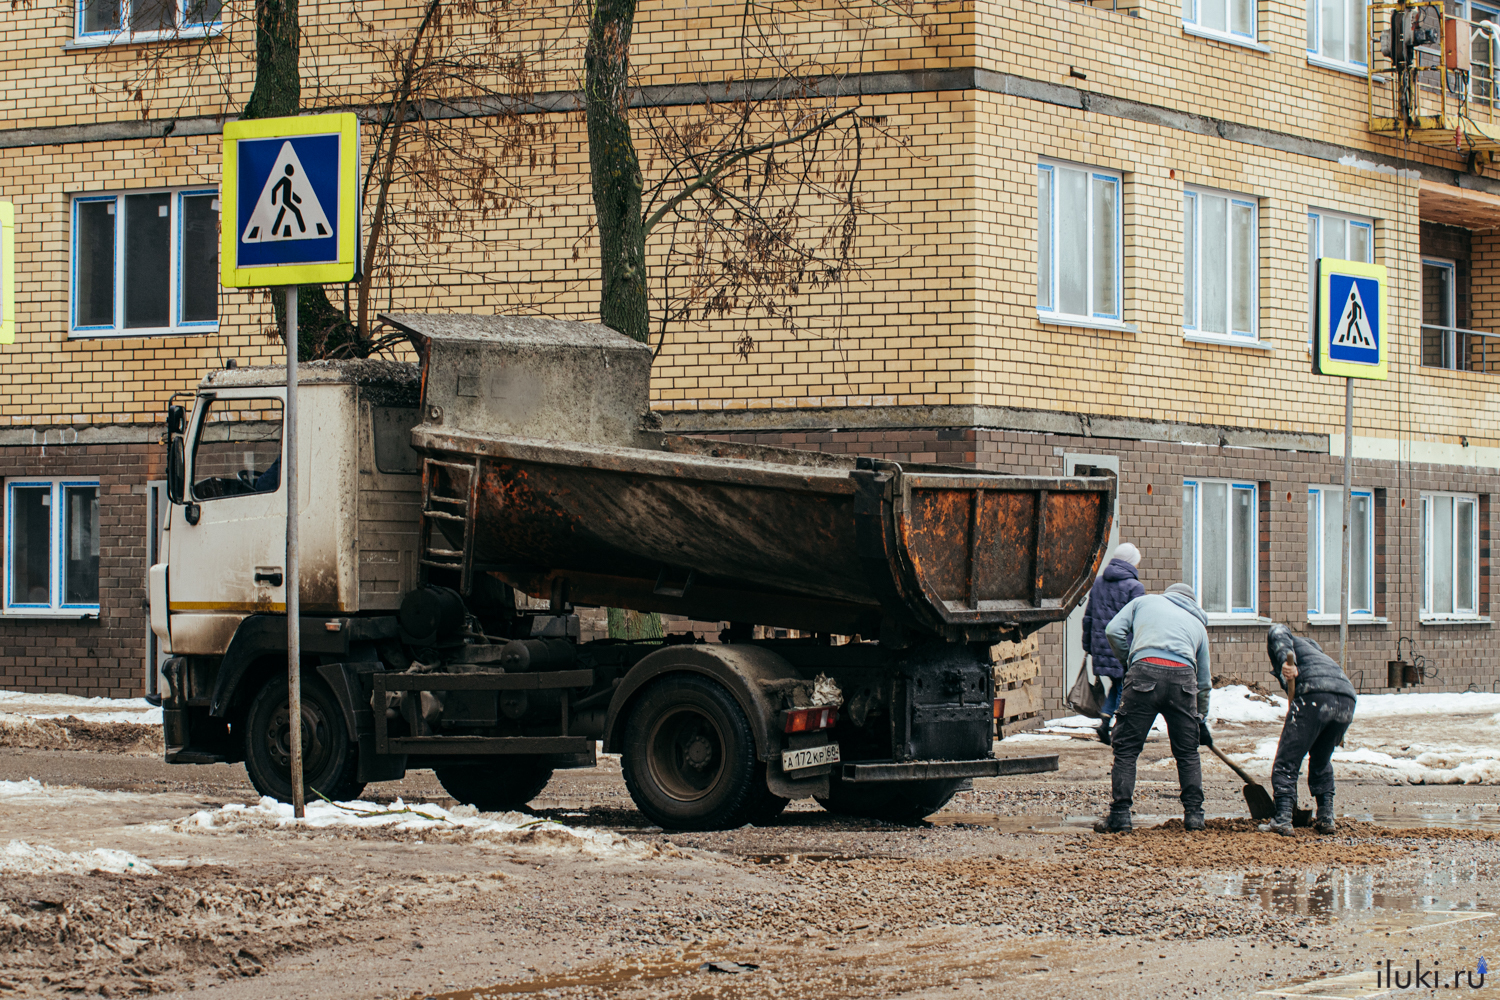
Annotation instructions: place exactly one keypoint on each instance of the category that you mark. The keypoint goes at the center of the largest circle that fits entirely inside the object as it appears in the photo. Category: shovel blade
(1259, 802)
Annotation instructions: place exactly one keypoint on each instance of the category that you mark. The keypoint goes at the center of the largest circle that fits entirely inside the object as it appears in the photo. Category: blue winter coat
(1116, 587)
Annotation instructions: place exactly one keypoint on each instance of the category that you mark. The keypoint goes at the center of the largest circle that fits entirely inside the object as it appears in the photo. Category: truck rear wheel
(689, 757)
(893, 801)
(330, 762)
(504, 784)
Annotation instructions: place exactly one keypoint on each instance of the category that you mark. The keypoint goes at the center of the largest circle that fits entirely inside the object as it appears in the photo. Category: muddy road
(125, 876)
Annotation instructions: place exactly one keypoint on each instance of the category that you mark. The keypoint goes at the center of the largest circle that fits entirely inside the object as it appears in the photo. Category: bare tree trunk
(615, 171)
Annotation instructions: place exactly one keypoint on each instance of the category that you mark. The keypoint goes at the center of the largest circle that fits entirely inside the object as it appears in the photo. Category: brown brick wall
(101, 657)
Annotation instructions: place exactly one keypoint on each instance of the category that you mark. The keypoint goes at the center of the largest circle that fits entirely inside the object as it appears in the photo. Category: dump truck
(455, 514)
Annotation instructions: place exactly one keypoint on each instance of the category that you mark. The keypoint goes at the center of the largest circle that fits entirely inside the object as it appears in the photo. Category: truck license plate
(795, 760)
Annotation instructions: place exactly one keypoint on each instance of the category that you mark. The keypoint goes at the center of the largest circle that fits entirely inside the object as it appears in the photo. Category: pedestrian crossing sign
(1351, 319)
(7, 273)
(290, 201)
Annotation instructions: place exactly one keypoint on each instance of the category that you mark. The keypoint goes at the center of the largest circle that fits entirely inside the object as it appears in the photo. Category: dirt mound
(72, 733)
(1237, 844)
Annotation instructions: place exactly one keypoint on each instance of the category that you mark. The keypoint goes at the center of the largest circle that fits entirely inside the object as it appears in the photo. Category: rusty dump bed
(720, 531)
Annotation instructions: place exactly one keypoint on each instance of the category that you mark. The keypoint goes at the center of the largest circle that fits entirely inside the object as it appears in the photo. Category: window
(1483, 51)
(238, 450)
(1220, 532)
(101, 22)
(1220, 246)
(1325, 550)
(1341, 237)
(1235, 18)
(1336, 31)
(1078, 243)
(1440, 336)
(145, 263)
(51, 547)
(1450, 555)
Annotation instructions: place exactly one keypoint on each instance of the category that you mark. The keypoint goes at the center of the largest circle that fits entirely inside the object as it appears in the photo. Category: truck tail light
(999, 708)
(810, 720)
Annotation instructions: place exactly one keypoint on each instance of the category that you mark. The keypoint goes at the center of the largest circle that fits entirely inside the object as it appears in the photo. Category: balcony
(1432, 78)
(1460, 350)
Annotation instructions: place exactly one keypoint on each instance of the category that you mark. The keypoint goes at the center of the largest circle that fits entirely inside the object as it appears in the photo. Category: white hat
(1129, 553)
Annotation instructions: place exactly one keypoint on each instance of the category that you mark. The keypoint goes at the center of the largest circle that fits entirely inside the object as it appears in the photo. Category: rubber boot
(1104, 724)
(1324, 823)
(1282, 824)
(1193, 820)
(1115, 822)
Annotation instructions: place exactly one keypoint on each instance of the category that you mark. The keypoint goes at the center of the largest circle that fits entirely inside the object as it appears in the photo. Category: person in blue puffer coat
(1114, 588)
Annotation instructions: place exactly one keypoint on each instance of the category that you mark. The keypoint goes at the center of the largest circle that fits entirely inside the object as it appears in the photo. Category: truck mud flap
(925, 770)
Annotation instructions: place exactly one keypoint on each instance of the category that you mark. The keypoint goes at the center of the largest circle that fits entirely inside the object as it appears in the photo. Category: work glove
(1205, 738)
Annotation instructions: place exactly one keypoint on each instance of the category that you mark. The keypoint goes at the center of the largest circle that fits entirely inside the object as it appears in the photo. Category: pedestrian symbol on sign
(1354, 324)
(288, 208)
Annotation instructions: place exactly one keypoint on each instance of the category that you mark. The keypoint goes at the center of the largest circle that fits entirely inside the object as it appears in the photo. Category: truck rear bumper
(923, 770)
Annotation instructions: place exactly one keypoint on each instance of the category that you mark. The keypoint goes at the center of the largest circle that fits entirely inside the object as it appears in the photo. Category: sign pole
(293, 581)
(1348, 505)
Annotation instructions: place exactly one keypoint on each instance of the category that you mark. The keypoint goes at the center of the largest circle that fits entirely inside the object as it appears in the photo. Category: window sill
(1241, 621)
(1245, 342)
(1084, 323)
(120, 38)
(26, 614)
(1321, 620)
(1227, 39)
(1338, 67)
(1476, 620)
(181, 331)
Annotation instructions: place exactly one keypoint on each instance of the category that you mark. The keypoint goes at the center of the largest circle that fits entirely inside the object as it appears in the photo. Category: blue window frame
(1078, 243)
(1325, 529)
(1231, 18)
(51, 547)
(1220, 543)
(1221, 250)
(102, 22)
(1336, 31)
(145, 263)
(1330, 234)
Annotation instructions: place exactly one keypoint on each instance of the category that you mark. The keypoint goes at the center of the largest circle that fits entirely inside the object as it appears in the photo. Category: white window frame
(1321, 495)
(1192, 325)
(175, 325)
(1193, 575)
(1317, 225)
(56, 606)
(1111, 313)
(1315, 54)
(1426, 543)
(1192, 21)
(123, 36)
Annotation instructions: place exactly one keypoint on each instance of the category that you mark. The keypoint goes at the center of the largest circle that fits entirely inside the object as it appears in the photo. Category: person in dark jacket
(1316, 720)
(1114, 588)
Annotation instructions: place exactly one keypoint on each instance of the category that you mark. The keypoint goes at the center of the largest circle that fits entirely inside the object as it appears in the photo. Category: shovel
(1257, 799)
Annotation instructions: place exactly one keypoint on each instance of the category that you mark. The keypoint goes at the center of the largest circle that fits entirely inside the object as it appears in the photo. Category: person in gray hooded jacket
(1316, 719)
(1163, 638)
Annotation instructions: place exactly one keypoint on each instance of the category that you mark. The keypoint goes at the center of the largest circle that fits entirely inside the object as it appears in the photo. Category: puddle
(1331, 893)
(1463, 820)
(633, 972)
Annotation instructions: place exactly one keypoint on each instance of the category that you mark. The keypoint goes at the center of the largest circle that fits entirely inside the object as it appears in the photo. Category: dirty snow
(21, 858)
(1412, 764)
(433, 820)
(58, 706)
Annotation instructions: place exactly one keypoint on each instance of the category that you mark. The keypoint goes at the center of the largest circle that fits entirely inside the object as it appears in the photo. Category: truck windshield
(238, 450)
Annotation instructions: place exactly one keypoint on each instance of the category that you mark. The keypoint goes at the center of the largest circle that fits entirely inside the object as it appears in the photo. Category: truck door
(229, 537)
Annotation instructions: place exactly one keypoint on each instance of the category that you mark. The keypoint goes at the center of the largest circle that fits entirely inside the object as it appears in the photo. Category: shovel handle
(1233, 766)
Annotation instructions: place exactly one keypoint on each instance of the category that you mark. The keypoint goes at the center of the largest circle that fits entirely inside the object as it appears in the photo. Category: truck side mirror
(176, 419)
(176, 459)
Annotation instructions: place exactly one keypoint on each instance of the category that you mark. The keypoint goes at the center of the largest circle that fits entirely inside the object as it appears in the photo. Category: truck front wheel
(893, 801)
(502, 784)
(329, 759)
(689, 757)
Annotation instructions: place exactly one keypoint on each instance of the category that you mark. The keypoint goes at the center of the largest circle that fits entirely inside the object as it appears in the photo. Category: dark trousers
(1149, 691)
(1315, 724)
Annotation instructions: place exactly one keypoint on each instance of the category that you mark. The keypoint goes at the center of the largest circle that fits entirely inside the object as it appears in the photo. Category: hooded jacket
(1167, 626)
(1116, 587)
(1317, 672)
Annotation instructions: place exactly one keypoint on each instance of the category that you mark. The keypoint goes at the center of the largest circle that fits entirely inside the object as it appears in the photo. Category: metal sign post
(290, 217)
(1351, 344)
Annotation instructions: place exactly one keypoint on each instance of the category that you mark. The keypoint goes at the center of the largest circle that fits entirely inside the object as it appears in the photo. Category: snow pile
(1375, 706)
(21, 858)
(431, 821)
(58, 706)
(1237, 703)
(28, 787)
(1425, 765)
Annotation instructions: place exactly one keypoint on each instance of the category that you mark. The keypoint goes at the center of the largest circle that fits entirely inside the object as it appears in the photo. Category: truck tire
(907, 802)
(504, 784)
(689, 756)
(330, 760)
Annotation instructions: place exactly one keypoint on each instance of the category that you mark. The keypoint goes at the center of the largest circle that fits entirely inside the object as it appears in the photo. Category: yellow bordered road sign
(289, 201)
(7, 273)
(1353, 319)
